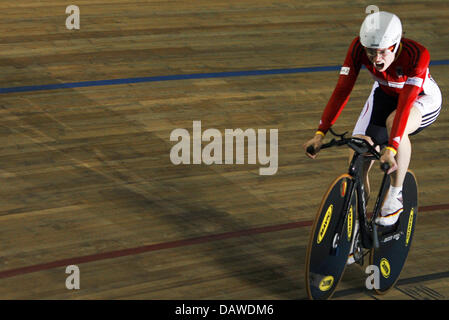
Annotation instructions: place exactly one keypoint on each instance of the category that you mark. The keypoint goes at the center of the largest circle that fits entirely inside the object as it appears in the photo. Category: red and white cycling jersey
(404, 78)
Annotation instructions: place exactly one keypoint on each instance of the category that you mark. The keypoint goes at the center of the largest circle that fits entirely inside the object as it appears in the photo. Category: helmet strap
(396, 47)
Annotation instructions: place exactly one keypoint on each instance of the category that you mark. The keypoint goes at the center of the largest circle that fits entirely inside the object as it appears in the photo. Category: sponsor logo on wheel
(326, 283)
(325, 223)
(409, 227)
(385, 267)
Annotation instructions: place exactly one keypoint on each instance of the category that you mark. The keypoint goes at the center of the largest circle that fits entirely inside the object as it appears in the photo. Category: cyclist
(403, 101)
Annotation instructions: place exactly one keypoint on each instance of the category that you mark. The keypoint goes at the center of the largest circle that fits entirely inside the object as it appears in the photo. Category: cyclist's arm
(340, 96)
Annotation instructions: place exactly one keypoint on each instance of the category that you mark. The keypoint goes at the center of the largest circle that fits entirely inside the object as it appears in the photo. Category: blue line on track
(180, 77)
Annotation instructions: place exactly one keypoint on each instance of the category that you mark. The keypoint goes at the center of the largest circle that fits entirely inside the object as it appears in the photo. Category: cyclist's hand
(316, 143)
(388, 156)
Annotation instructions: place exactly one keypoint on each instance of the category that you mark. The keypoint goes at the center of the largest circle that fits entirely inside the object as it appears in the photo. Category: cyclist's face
(380, 58)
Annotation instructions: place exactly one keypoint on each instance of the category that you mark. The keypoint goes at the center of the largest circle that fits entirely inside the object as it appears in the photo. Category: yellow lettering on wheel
(325, 223)
(409, 227)
(350, 222)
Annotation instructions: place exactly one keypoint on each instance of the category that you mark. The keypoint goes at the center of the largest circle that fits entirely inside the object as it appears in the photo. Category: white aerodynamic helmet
(381, 30)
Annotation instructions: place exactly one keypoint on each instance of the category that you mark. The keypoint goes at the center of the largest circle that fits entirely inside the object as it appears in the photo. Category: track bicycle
(343, 204)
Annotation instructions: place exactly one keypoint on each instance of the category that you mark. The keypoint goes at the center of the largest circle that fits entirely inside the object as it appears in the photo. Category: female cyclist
(403, 101)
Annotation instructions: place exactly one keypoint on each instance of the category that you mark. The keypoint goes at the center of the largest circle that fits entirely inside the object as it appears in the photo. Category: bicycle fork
(354, 184)
(342, 219)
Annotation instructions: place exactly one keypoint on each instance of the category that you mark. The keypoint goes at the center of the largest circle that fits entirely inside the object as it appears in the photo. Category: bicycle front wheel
(326, 263)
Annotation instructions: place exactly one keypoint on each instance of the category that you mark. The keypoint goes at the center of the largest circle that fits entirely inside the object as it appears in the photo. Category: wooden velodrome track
(85, 170)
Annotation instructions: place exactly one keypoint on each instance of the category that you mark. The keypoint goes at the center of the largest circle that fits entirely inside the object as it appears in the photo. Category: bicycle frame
(368, 229)
(363, 151)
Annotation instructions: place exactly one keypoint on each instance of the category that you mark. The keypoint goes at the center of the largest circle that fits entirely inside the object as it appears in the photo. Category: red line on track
(152, 247)
(170, 245)
(434, 207)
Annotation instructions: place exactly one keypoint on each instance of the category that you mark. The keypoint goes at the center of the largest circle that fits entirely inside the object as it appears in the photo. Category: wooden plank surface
(86, 172)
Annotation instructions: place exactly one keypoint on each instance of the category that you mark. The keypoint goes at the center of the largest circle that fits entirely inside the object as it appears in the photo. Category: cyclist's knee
(390, 120)
(413, 122)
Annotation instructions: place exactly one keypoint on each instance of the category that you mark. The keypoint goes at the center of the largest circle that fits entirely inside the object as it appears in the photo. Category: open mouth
(379, 65)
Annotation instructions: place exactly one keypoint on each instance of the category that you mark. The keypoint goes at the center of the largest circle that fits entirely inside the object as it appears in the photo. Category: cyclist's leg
(393, 206)
(424, 112)
(405, 149)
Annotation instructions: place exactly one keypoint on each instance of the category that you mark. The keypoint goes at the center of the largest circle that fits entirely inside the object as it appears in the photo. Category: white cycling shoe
(391, 211)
